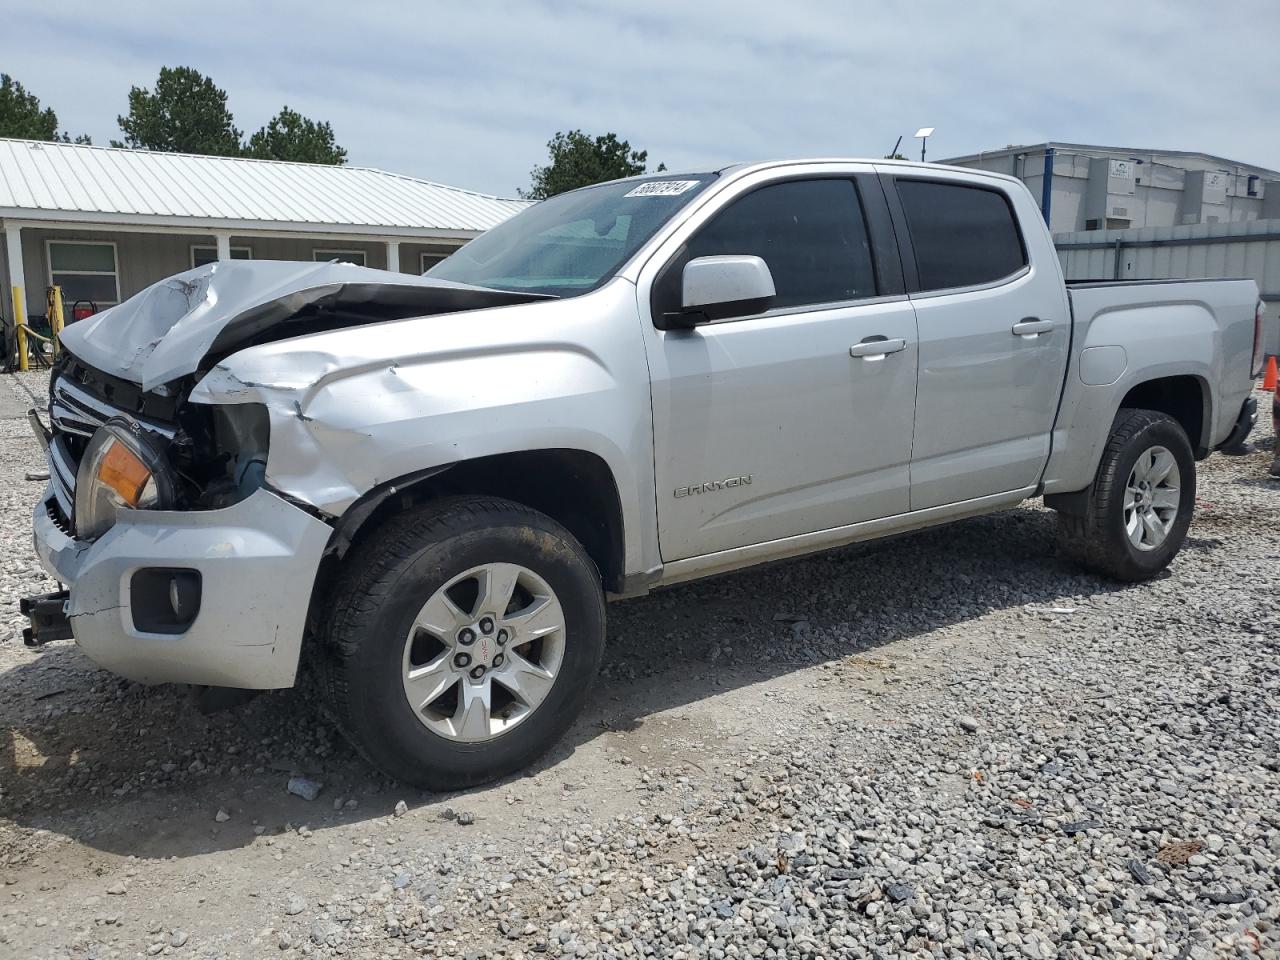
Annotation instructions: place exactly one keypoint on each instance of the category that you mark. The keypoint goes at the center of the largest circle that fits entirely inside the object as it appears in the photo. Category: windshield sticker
(661, 188)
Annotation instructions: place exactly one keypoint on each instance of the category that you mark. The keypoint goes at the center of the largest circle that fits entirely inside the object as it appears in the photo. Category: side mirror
(714, 288)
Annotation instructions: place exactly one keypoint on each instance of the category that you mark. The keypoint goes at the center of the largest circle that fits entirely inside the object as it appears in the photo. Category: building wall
(290, 248)
(141, 259)
(145, 258)
(1161, 182)
(1186, 252)
(411, 254)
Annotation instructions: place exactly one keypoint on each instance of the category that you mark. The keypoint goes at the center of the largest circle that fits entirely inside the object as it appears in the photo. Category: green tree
(578, 160)
(22, 117)
(187, 113)
(291, 136)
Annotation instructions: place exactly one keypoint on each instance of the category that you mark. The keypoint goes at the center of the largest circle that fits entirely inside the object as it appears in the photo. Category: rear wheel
(462, 641)
(1139, 507)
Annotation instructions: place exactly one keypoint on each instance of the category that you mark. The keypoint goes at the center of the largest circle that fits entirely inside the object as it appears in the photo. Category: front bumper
(257, 562)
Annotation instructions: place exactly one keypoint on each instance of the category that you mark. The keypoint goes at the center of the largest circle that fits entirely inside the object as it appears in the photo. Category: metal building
(1089, 187)
(1119, 213)
(104, 223)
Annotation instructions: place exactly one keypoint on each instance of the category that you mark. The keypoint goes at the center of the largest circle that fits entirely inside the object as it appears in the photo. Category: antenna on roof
(923, 135)
(894, 152)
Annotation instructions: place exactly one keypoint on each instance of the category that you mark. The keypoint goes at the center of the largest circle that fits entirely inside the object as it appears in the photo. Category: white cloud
(469, 93)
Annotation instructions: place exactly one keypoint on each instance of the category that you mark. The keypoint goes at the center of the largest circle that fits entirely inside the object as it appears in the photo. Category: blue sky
(469, 93)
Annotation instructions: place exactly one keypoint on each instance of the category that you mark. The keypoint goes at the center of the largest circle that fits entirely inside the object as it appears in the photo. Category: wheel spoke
(425, 684)
(441, 617)
(1165, 498)
(1133, 525)
(527, 681)
(1154, 530)
(471, 719)
(1142, 467)
(540, 618)
(1161, 463)
(497, 583)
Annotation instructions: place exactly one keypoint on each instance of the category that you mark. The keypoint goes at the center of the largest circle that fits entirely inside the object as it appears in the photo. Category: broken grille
(76, 414)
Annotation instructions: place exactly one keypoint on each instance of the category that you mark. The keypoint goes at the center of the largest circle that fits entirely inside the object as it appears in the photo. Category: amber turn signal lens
(124, 473)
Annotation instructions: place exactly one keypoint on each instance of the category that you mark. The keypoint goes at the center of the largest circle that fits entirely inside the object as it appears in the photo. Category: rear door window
(963, 236)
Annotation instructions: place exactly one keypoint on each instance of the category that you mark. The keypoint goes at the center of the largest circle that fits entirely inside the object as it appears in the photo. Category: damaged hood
(168, 329)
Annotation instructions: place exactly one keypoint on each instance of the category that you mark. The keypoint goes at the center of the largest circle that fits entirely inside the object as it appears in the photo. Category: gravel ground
(951, 744)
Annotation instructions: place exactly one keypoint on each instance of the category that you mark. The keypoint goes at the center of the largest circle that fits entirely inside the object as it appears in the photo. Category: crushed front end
(181, 565)
(183, 561)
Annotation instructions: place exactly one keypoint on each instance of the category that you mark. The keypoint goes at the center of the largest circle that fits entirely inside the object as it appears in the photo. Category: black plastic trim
(902, 234)
(1244, 425)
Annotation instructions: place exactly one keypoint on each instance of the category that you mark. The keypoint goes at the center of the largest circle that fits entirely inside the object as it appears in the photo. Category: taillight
(1255, 371)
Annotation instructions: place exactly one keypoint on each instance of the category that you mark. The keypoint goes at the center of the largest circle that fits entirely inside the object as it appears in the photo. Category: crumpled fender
(352, 409)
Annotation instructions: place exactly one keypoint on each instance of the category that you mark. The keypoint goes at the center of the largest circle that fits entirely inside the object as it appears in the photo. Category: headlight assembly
(122, 469)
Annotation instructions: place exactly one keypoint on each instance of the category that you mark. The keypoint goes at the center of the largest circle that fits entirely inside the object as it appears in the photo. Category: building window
(85, 271)
(346, 256)
(429, 260)
(202, 255)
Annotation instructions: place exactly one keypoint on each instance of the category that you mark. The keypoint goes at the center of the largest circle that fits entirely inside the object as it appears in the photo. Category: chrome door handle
(1030, 328)
(877, 348)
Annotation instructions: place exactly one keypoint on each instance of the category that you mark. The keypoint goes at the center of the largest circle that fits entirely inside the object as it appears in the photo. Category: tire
(381, 643)
(1101, 540)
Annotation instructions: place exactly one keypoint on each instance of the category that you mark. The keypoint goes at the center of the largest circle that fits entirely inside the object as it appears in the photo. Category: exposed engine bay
(208, 456)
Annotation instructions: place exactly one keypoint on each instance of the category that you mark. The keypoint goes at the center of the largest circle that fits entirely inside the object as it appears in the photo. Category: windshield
(573, 242)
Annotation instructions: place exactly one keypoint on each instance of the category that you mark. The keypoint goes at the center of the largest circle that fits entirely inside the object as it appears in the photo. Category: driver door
(785, 422)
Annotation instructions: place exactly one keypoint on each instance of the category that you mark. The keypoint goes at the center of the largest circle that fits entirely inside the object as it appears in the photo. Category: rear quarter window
(963, 236)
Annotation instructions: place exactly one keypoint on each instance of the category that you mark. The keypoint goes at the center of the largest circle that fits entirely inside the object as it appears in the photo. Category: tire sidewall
(1162, 433)
(375, 677)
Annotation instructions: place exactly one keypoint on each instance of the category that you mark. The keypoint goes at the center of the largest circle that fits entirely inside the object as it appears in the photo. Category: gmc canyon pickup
(425, 487)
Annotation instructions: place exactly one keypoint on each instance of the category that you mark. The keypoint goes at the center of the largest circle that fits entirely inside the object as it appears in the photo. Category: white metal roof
(68, 181)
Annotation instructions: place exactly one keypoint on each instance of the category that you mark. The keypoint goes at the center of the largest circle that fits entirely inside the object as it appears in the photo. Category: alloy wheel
(483, 652)
(1151, 498)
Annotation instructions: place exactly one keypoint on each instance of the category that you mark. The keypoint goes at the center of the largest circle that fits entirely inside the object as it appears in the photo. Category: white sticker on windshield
(661, 188)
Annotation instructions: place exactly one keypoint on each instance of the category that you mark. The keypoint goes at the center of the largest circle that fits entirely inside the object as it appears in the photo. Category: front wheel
(462, 641)
(1139, 507)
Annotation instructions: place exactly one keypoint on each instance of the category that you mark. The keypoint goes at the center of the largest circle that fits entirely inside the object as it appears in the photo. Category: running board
(725, 561)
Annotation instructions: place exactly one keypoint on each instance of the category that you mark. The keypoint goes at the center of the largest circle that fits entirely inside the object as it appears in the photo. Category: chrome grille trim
(62, 471)
(76, 411)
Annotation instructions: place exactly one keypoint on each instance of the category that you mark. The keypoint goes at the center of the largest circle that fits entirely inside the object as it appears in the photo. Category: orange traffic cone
(1270, 378)
(1275, 421)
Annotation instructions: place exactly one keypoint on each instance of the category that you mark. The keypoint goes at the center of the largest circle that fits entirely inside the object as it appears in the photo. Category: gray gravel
(950, 745)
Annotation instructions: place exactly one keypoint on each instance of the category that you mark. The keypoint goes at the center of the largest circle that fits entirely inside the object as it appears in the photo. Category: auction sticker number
(661, 188)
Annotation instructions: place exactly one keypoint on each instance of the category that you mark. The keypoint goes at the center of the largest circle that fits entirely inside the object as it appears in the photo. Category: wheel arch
(576, 488)
(1185, 397)
(1178, 392)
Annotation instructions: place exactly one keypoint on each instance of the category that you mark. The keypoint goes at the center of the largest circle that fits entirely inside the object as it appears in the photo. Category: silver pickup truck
(425, 487)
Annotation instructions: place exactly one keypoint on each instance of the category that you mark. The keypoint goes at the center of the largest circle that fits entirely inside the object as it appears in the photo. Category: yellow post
(20, 324)
(56, 319)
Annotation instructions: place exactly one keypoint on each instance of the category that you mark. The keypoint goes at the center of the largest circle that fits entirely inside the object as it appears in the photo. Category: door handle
(1030, 327)
(877, 348)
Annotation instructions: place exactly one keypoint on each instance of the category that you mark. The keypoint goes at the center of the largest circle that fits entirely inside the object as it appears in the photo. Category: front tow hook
(48, 616)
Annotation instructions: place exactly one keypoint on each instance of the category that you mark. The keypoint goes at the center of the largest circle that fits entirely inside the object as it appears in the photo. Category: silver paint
(968, 416)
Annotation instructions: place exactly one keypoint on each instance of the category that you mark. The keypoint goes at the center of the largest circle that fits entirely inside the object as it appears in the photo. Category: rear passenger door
(994, 334)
